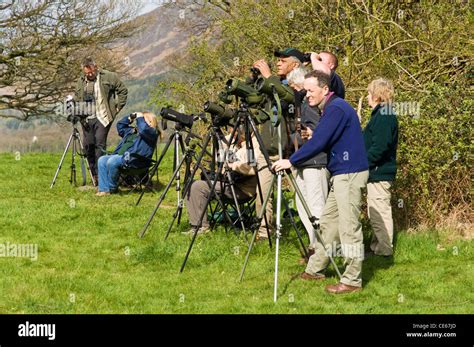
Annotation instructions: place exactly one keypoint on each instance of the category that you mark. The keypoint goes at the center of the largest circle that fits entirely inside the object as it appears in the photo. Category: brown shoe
(102, 193)
(341, 288)
(307, 276)
(305, 260)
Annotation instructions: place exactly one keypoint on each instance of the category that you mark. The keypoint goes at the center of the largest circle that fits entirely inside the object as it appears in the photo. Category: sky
(150, 5)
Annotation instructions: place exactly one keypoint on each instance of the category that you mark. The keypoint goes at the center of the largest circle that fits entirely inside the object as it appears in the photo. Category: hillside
(151, 48)
(150, 51)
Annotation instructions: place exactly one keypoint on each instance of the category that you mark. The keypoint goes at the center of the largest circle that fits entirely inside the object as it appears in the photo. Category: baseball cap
(290, 52)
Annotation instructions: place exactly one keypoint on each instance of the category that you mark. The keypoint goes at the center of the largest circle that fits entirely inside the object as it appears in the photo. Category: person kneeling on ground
(134, 150)
(243, 176)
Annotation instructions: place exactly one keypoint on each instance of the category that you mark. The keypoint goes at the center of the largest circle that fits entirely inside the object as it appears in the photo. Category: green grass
(91, 260)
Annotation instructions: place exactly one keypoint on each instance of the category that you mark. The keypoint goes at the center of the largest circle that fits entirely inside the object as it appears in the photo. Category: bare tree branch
(42, 42)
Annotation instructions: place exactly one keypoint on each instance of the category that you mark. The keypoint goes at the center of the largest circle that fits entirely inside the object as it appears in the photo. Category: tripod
(77, 148)
(187, 158)
(244, 117)
(229, 182)
(280, 197)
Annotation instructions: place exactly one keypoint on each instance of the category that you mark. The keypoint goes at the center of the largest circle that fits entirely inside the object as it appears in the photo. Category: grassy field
(90, 259)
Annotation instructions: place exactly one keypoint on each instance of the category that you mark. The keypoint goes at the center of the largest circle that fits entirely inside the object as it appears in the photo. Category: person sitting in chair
(134, 150)
(244, 179)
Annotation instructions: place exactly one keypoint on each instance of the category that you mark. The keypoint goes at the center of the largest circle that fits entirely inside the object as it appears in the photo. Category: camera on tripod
(78, 111)
(180, 119)
(244, 91)
(221, 115)
(271, 85)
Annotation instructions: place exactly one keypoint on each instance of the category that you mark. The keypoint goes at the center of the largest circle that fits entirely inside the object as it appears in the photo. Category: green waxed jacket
(381, 139)
(112, 89)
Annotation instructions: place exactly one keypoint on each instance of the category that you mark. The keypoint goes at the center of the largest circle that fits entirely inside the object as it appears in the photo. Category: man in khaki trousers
(338, 134)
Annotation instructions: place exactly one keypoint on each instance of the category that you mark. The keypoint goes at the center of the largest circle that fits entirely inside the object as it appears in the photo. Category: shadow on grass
(375, 263)
(287, 284)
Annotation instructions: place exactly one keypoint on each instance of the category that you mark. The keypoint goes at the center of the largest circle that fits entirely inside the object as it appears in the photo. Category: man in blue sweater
(339, 135)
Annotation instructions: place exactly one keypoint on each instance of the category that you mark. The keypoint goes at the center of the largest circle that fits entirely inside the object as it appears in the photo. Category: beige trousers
(380, 214)
(265, 177)
(313, 184)
(341, 229)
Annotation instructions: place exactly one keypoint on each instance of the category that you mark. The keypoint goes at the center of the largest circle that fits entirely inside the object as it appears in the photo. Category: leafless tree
(43, 41)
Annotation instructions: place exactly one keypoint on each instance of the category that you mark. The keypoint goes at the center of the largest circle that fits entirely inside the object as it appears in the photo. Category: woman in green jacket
(381, 139)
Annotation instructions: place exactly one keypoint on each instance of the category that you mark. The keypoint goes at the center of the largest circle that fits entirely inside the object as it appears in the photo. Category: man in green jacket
(103, 95)
(381, 139)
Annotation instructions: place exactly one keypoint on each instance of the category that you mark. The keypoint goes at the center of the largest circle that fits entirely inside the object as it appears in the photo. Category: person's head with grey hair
(89, 67)
(296, 78)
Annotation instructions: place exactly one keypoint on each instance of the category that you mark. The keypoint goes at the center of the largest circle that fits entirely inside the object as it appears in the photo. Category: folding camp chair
(245, 205)
(138, 178)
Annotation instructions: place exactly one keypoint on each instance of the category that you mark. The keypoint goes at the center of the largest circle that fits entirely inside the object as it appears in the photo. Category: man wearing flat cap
(288, 60)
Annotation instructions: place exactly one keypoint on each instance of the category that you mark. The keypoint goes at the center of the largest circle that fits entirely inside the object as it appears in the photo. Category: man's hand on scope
(264, 68)
(282, 164)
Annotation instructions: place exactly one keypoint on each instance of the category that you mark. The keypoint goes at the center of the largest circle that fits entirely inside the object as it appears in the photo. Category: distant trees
(43, 41)
(415, 43)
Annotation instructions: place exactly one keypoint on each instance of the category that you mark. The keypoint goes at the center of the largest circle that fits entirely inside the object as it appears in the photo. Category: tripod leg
(236, 201)
(83, 171)
(177, 146)
(313, 220)
(172, 222)
(278, 234)
(179, 209)
(259, 220)
(73, 163)
(81, 153)
(175, 215)
(155, 167)
(61, 161)
(187, 173)
(293, 223)
(145, 227)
